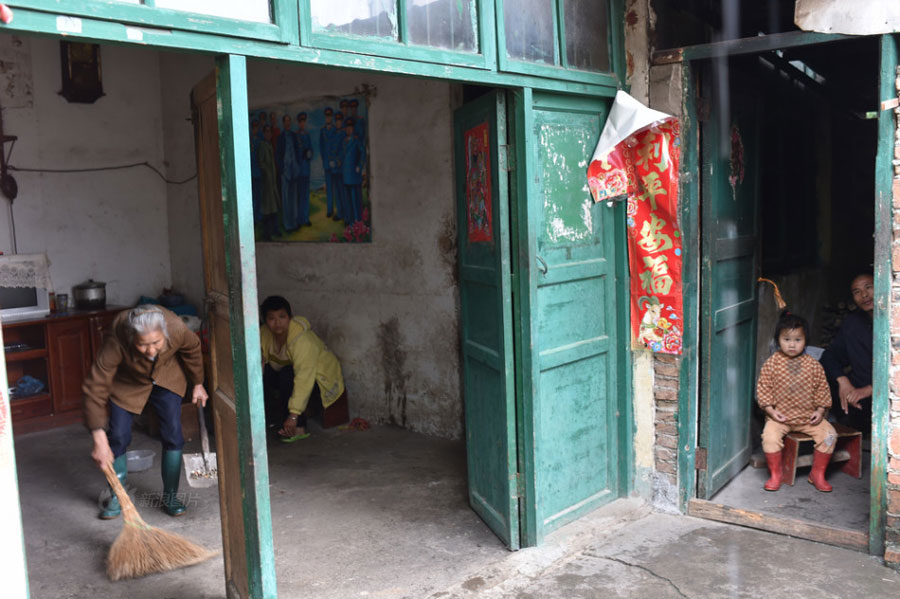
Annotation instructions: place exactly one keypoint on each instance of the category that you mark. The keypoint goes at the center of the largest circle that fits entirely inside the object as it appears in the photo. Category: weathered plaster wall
(178, 74)
(387, 309)
(109, 225)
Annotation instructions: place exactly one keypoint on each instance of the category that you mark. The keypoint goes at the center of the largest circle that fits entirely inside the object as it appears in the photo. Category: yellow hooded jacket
(312, 362)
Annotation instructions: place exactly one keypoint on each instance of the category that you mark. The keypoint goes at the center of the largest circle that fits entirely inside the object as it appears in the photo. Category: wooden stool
(848, 449)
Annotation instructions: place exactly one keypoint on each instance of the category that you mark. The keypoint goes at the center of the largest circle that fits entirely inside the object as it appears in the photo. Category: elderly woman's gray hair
(145, 319)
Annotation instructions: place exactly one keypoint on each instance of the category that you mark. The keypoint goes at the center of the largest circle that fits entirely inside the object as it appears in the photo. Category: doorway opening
(793, 131)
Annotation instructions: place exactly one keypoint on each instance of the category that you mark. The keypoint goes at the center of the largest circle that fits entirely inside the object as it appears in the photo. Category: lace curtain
(25, 270)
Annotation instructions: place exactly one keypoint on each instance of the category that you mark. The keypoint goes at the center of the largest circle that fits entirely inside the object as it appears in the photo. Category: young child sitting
(793, 391)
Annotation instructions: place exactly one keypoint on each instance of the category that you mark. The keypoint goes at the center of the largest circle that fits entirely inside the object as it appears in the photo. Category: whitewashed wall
(112, 225)
(388, 309)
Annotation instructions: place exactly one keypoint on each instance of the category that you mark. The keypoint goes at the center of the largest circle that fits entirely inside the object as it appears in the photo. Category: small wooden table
(848, 449)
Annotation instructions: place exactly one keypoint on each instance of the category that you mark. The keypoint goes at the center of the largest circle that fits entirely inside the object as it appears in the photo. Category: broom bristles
(141, 549)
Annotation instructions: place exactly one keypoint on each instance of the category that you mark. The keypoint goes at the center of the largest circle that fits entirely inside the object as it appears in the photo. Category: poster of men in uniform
(309, 168)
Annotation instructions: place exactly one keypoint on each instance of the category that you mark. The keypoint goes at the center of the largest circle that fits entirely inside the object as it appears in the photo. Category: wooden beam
(801, 529)
(746, 45)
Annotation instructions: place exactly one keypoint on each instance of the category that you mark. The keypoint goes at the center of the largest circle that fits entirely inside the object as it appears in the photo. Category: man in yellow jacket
(296, 366)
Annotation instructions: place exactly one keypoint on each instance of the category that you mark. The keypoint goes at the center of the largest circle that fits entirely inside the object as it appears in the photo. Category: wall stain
(393, 363)
(447, 245)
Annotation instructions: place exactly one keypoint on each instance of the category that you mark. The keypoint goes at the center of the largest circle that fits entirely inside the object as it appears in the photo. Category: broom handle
(204, 436)
(129, 512)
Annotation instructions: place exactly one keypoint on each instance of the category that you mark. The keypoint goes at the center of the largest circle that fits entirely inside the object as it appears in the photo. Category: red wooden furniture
(848, 450)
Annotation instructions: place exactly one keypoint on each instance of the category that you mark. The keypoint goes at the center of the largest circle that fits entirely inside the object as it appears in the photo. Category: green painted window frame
(561, 70)
(282, 29)
(484, 58)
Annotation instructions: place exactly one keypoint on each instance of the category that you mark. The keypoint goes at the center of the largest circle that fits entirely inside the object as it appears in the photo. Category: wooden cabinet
(57, 350)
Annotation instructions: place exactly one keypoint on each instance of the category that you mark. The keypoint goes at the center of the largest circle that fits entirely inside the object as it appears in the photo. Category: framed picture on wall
(309, 166)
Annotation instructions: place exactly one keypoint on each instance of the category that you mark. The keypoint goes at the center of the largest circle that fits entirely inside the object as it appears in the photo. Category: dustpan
(201, 469)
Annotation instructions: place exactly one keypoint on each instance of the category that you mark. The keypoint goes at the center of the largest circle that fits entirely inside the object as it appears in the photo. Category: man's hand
(850, 395)
(289, 427)
(198, 395)
(101, 454)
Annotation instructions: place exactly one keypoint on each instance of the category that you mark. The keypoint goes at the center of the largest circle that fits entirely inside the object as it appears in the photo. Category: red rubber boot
(817, 474)
(775, 469)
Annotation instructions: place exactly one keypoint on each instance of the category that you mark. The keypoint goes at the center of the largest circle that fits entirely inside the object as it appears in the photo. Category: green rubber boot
(171, 476)
(112, 509)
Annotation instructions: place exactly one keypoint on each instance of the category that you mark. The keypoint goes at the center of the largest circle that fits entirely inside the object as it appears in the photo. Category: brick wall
(665, 393)
(892, 532)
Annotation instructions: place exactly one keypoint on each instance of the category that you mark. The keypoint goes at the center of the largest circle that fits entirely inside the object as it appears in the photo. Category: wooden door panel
(220, 105)
(573, 316)
(230, 492)
(486, 317)
(729, 270)
(222, 386)
(70, 353)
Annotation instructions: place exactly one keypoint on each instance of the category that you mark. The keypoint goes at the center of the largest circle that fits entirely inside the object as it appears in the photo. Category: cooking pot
(89, 295)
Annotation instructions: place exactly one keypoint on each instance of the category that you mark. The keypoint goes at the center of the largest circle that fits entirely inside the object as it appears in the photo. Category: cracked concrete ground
(385, 514)
(662, 556)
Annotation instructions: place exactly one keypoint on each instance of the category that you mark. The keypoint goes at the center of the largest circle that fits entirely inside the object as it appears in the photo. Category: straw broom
(141, 549)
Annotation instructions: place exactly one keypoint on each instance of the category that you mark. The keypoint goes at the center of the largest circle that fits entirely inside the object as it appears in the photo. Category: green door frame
(881, 347)
(240, 265)
(688, 393)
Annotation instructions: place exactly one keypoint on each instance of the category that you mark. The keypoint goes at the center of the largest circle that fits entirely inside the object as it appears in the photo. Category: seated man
(296, 364)
(852, 346)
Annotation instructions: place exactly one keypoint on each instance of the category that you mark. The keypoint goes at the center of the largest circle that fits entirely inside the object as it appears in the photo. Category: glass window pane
(450, 24)
(587, 34)
(372, 18)
(245, 10)
(530, 34)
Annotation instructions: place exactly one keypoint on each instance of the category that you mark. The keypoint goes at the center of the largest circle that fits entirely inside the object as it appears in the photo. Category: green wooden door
(728, 299)
(567, 308)
(486, 312)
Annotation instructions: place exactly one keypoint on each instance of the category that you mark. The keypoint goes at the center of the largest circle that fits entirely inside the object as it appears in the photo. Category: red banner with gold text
(645, 168)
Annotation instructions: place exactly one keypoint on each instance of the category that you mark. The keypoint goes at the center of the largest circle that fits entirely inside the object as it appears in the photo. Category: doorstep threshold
(793, 527)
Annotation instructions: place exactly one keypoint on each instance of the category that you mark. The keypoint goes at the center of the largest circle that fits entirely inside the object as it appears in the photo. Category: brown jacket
(122, 375)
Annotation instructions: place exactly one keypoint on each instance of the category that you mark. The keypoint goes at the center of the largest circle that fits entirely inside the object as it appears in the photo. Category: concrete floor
(382, 513)
(846, 507)
(661, 556)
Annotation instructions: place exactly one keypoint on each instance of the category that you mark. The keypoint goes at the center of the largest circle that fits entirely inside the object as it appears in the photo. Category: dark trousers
(168, 410)
(278, 386)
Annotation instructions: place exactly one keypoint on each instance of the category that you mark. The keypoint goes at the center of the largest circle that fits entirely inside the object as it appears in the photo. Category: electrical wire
(102, 168)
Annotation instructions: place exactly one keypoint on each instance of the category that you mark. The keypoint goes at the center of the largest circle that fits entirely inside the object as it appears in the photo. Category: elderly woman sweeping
(149, 356)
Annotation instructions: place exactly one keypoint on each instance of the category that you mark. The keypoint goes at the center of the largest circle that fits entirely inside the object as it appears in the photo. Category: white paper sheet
(852, 17)
(627, 117)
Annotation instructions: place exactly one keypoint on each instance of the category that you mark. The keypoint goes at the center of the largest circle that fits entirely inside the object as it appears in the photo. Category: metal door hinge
(520, 486)
(700, 458)
(507, 158)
